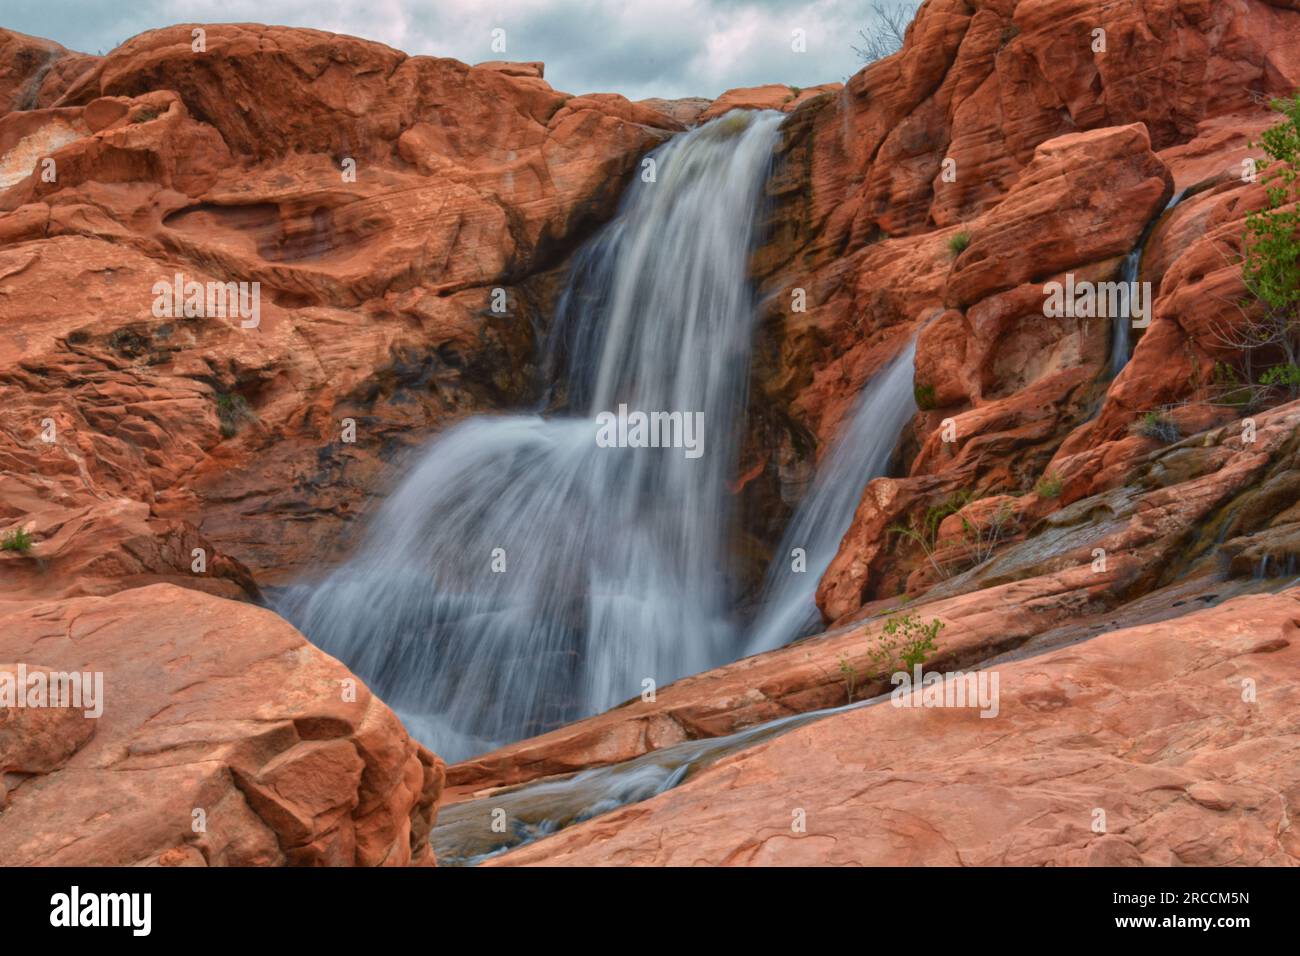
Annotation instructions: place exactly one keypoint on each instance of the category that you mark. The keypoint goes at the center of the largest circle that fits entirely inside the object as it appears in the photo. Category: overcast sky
(639, 48)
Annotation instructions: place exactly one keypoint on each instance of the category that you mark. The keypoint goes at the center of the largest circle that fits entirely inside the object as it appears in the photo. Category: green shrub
(19, 540)
(850, 677)
(923, 528)
(1272, 262)
(1270, 266)
(958, 243)
(1049, 486)
(924, 395)
(1282, 376)
(232, 411)
(903, 643)
(1228, 387)
(934, 515)
(982, 540)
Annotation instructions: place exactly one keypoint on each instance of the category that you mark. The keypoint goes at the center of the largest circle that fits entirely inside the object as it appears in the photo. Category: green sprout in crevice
(19, 539)
(232, 411)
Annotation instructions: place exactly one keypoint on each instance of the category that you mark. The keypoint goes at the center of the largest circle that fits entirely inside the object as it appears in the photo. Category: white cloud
(639, 48)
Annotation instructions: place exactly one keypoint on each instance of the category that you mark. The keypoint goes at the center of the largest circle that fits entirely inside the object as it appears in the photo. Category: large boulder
(222, 738)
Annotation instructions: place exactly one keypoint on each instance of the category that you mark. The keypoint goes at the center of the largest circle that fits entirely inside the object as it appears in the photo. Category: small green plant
(1159, 426)
(1049, 486)
(903, 643)
(923, 528)
(232, 411)
(1228, 388)
(935, 514)
(1009, 33)
(20, 540)
(982, 540)
(1283, 376)
(979, 539)
(958, 243)
(850, 677)
(924, 395)
(918, 638)
(1272, 263)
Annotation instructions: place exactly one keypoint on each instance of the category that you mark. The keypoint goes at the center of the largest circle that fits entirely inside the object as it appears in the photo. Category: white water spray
(523, 576)
(1130, 272)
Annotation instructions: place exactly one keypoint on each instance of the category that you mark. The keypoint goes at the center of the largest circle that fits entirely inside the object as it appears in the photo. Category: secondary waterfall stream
(861, 452)
(1130, 274)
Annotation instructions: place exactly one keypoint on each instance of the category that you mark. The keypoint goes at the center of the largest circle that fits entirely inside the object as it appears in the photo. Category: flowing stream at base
(464, 835)
(524, 574)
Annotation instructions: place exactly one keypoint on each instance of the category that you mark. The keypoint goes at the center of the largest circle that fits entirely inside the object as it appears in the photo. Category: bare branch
(883, 36)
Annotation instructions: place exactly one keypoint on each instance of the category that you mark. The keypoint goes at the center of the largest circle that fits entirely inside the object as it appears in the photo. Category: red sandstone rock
(35, 72)
(1106, 184)
(686, 110)
(208, 705)
(1153, 726)
(182, 434)
(534, 69)
(1049, 146)
(374, 292)
(773, 96)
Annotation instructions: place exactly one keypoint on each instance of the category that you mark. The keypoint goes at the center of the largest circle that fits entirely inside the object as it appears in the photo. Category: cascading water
(524, 576)
(788, 610)
(1121, 335)
(464, 835)
(860, 453)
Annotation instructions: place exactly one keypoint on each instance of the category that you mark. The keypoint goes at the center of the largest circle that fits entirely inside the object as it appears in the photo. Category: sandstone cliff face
(35, 72)
(1004, 126)
(1187, 511)
(377, 199)
(1063, 159)
(381, 201)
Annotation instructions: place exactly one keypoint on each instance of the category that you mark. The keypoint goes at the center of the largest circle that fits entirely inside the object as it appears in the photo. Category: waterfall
(524, 575)
(860, 453)
(1120, 334)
